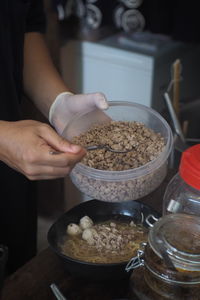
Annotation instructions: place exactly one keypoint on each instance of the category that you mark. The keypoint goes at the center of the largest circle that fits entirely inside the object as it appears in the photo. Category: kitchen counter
(33, 280)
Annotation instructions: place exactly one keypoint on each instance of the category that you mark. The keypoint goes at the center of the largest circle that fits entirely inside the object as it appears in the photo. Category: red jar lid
(189, 168)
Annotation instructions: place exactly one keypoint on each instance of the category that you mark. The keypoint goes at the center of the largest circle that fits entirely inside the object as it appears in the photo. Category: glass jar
(168, 265)
(182, 194)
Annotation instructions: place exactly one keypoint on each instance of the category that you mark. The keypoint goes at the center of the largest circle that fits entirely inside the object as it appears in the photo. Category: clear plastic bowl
(132, 184)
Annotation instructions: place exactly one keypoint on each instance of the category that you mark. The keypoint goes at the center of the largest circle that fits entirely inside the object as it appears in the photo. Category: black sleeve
(36, 19)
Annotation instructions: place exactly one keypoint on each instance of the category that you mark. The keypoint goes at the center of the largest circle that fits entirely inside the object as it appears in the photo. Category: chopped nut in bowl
(117, 177)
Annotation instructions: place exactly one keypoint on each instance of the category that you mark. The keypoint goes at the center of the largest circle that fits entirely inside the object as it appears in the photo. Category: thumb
(89, 101)
(98, 99)
(59, 143)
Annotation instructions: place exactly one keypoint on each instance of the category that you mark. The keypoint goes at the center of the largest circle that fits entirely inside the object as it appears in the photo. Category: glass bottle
(168, 265)
(182, 194)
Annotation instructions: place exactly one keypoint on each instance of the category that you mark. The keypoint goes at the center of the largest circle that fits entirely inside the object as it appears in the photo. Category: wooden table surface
(33, 280)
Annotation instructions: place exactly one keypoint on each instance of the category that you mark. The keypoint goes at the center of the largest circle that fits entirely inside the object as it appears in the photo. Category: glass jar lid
(179, 235)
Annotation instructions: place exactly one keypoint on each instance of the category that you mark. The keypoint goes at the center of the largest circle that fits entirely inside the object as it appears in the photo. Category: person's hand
(27, 147)
(66, 105)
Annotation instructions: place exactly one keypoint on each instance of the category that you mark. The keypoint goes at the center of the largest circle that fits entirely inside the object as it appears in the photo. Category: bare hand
(26, 146)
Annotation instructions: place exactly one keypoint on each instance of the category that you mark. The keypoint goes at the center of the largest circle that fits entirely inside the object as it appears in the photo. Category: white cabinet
(123, 73)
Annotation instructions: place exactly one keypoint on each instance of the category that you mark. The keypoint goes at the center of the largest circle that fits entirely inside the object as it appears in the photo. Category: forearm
(42, 82)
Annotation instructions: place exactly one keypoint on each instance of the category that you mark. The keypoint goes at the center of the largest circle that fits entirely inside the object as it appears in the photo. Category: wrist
(60, 97)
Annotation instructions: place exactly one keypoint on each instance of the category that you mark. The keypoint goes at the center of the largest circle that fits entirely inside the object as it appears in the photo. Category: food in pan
(104, 242)
(75, 229)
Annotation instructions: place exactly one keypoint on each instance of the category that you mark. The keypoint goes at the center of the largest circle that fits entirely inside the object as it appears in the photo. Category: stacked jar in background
(168, 266)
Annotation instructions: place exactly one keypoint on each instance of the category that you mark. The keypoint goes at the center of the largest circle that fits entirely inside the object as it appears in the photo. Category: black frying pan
(98, 211)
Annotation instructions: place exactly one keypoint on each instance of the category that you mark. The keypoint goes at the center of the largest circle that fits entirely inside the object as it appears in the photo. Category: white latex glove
(67, 105)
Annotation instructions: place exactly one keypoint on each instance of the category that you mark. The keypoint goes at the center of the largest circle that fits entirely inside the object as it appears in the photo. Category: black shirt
(18, 206)
(16, 18)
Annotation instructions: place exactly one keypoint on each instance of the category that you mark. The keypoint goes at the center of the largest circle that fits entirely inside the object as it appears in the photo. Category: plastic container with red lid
(182, 194)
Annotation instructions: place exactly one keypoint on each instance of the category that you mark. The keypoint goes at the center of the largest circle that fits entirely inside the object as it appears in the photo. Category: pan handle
(149, 220)
(57, 293)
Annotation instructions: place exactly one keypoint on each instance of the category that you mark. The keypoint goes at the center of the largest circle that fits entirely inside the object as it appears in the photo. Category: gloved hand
(67, 105)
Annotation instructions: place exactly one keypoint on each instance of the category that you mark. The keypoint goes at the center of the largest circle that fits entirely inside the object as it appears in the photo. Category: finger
(58, 159)
(100, 101)
(47, 176)
(59, 143)
(97, 99)
(47, 172)
(44, 177)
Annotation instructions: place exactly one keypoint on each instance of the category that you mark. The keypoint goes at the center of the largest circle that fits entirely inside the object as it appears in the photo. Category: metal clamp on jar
(168, 265)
